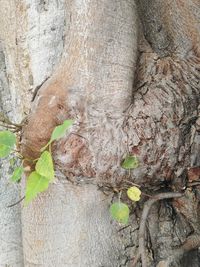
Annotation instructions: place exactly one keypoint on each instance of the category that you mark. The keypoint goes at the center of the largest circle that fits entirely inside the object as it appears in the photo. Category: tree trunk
(128, 74)
(11, 252)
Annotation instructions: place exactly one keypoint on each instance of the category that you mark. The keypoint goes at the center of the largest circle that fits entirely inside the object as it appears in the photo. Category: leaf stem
(14, 204)
(8, 126)
(147, 206)
(119, 196)
(50, 148)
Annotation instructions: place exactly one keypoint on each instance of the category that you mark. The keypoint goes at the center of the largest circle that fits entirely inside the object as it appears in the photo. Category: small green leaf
(134, 193)
(130, 162)
(58, 132)
(44, 166)
(35, 184)
(7, 138)
(120, 212)
(4, 151)
(7, 142)
(17, 174)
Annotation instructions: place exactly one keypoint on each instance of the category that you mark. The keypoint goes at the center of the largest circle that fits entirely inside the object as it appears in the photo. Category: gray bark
(25, 28)
(80, 234)
(129, 76)
(11, 252)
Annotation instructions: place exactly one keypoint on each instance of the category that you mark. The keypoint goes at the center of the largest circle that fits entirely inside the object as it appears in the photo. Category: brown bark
(93, 85)
(159, 125)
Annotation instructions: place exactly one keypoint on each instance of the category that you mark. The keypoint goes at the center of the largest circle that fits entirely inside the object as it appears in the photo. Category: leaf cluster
(39, 180)
(119, 210)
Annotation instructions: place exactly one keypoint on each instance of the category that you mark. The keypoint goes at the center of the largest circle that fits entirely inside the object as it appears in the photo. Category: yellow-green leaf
(17, 174)
(35, 184)
(44, 166)
(59, 132)
(120, 212)
(134, 193)
(130, 162)
(4, 151)
(7, 142)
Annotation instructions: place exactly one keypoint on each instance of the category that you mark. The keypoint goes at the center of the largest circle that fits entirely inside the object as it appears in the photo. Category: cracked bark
(132, 87)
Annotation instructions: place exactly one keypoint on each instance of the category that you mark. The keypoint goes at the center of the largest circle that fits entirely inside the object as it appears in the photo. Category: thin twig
(14, 204)
(8, 126)
(193, 183)
(147, 195)
(132, 183)
(147, 206)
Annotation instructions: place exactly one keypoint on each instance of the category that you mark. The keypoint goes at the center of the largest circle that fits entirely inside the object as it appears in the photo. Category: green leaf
(44, 165)
(4, 151)
(7, 138)
(120, 212)
(130, 162)
(134, 193)
(59, 132)
(35, 184)
(17, 174)
(7, 142)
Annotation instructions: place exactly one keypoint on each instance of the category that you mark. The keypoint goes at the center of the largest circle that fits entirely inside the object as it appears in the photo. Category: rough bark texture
(81, 233)
(129, 77)
(25, 27)
(93, 85)
(92, 64)
(11, 252)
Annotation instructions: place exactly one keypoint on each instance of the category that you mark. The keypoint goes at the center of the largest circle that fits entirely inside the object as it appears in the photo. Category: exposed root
(192, 242)
(147, 206)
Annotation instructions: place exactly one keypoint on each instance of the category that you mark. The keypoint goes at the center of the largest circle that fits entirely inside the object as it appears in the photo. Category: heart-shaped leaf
(58, 132)
(44, 166)
(120, 212)
(130, 162)
(35, 184)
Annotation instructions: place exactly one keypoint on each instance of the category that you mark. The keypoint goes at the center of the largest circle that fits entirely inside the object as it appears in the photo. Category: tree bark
(11, 252)
(128, 74)
(24, 64)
